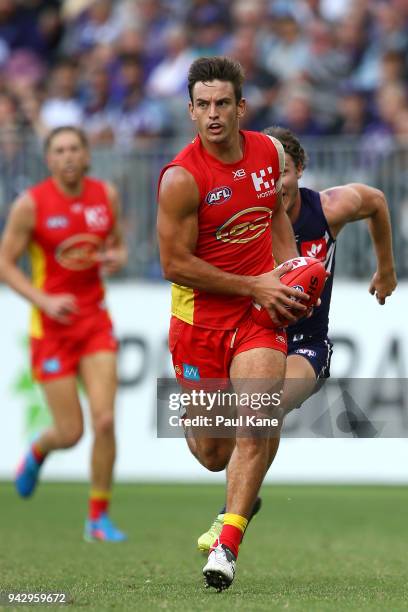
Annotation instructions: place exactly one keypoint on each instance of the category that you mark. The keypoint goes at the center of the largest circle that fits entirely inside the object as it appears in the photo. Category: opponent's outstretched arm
(178, 233)
(355, 201)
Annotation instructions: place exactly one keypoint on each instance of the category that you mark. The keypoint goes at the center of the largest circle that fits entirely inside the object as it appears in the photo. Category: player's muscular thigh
(212, 452)
(263, 368)
(256, 372)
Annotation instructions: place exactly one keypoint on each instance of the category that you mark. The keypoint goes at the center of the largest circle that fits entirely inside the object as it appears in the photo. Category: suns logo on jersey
(78, 252)
(252, 223)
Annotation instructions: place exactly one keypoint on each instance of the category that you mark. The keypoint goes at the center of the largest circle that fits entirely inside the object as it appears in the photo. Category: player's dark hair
(66, 128)
(207, 69)
(290, 143)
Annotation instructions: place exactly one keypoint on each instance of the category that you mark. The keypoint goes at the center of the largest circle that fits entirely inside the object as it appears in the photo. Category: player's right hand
(277, 298)
(59, 307)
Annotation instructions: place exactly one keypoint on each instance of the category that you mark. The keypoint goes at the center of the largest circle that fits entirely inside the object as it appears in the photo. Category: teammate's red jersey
(234, 220)
(68, 233)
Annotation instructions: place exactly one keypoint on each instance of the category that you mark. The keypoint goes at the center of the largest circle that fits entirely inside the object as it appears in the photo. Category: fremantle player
(69, 224)
(317, 218)
(220, 211)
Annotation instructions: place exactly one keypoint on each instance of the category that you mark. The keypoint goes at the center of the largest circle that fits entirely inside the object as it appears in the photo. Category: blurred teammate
(69, 224)
(216, 230)
(317, 219)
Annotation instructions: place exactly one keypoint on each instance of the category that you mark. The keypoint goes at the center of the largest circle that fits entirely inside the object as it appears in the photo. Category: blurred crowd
(118, 68)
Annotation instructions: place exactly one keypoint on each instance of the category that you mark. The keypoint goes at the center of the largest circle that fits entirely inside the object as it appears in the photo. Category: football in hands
(308, 275)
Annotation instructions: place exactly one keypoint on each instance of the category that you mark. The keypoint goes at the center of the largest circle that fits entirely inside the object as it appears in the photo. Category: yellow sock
(98, 494)
(240, 522)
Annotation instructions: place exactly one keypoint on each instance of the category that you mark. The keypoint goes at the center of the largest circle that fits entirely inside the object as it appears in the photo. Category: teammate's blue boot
(27, 474)
(103, 530)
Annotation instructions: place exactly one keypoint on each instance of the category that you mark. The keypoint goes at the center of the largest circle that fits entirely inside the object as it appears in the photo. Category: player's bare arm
(354, 202)
(178, 230)
(283, 238)
(15, 240)
(115, 254)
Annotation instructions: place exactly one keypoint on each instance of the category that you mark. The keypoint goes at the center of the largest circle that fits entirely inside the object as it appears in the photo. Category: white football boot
(219, 571)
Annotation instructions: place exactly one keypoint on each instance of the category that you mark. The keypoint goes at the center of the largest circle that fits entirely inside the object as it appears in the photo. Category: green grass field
(311, 548)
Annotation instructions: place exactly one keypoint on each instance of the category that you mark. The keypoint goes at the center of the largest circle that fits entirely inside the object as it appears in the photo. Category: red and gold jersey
(234, 219)
(68, 233)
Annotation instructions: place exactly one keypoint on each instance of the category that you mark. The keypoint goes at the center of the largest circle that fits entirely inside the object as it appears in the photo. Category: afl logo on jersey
(219, 195)
(57, 222)
(78, 252)
(246, 225)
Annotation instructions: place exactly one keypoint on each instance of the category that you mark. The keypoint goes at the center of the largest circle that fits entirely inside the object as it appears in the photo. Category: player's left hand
(113, 258)
(382, 285)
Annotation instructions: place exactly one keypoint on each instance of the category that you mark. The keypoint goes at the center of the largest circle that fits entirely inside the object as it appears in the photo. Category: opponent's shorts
(200, 354)
(58, 355)
(317, 350)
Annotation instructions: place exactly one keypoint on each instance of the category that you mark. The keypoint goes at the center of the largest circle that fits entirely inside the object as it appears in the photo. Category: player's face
(216, 111)
(290, 184)
(67, 158)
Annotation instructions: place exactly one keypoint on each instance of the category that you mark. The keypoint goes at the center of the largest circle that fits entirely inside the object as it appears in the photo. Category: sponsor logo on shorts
(305, 351)
(280, 338)
(57, 222)
(190, 372)
(178, 370)
(245, 225)
(219, 195)
(51, 366)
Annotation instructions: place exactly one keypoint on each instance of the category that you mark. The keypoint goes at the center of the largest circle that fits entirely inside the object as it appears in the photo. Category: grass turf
(310, 548)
